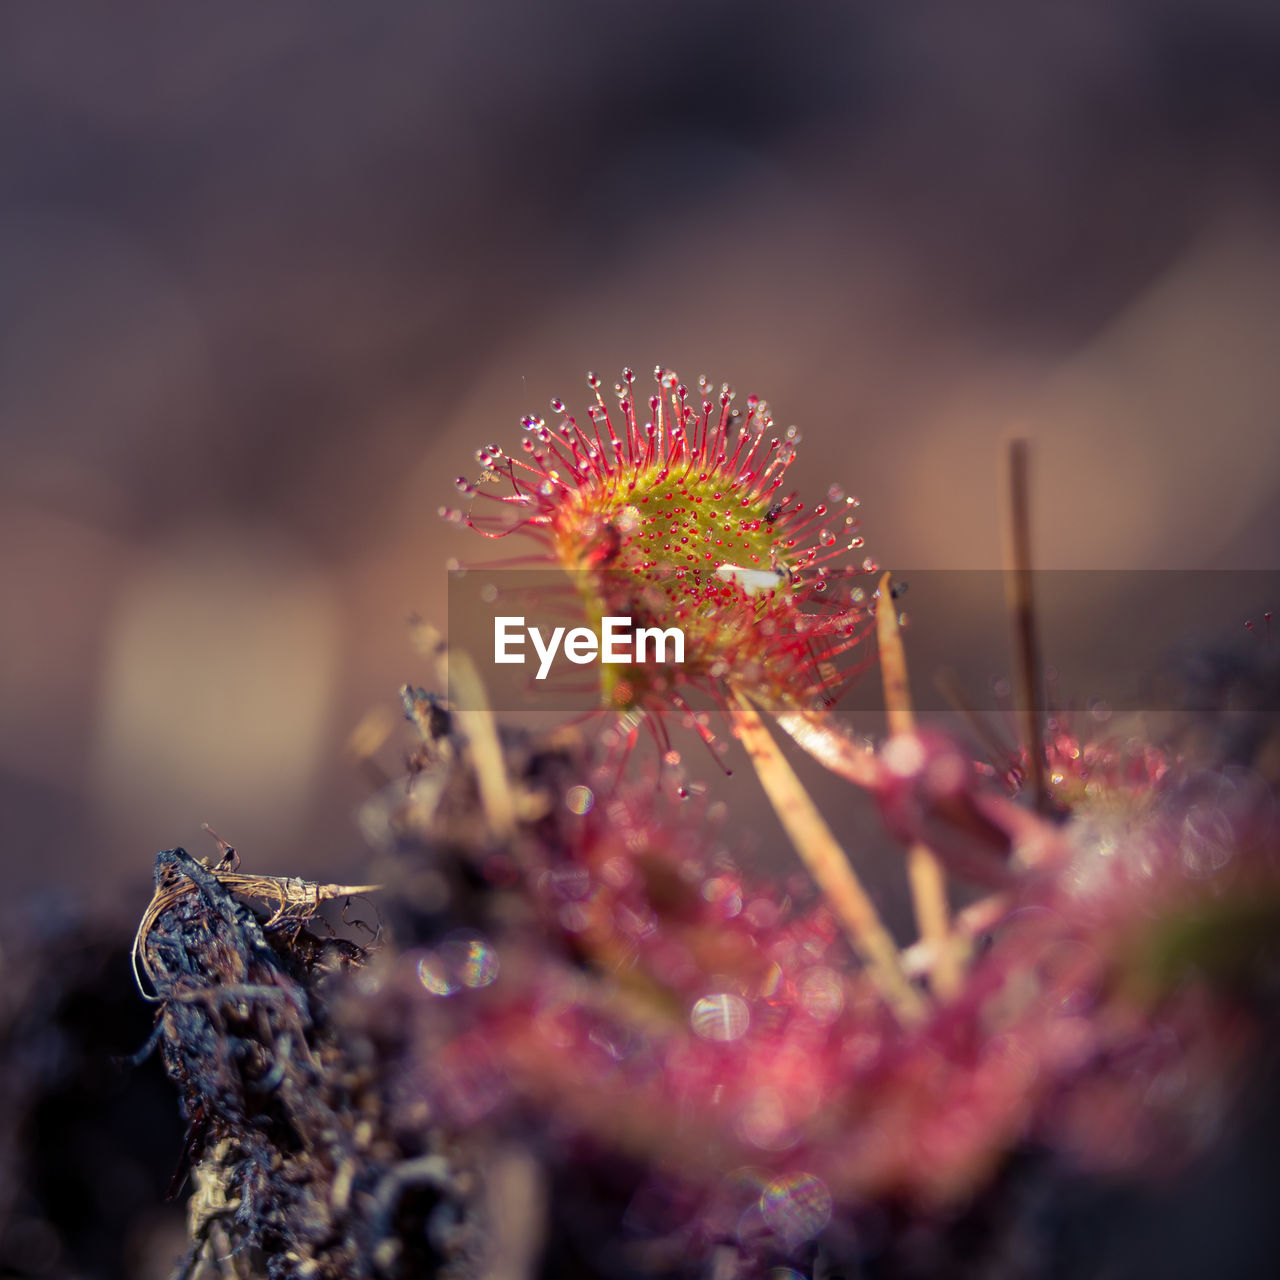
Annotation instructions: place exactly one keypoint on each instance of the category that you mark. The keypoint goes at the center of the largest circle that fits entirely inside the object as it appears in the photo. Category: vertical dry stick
(928, 882)
(1021, 606)
(827, 863)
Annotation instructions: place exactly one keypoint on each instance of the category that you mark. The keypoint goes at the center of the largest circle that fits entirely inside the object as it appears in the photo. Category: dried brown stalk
(1022, 608)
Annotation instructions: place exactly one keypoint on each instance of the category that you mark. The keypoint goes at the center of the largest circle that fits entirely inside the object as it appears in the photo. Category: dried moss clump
(301, 1168)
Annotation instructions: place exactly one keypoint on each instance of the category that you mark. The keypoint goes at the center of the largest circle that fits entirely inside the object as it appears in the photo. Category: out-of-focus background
(269, 275)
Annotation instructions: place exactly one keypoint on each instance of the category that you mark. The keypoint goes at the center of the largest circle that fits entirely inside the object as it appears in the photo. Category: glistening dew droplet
(721, 1017)
(797, 1206)
(579, 800)
(461, 960)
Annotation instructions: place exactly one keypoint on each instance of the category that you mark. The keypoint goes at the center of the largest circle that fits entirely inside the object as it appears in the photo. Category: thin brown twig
(1022, 609)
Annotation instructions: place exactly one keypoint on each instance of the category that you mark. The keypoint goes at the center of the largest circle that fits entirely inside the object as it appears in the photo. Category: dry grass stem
(924, 871)
(470, 705)
(1022, 608)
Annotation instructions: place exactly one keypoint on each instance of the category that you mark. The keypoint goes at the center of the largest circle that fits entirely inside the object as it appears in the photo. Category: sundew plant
(685, 520)
(582, 1039)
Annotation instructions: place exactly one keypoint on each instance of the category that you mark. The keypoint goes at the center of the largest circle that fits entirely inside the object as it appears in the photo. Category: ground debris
(298, 1171)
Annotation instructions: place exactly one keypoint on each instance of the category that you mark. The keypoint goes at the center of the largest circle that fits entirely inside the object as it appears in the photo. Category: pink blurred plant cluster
(632, 996)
